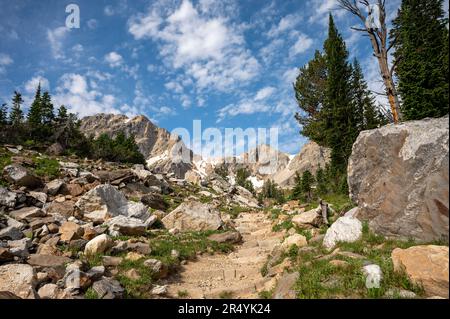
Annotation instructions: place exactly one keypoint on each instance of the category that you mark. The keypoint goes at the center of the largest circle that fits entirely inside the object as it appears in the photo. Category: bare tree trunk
(324, 207)
(378, 35)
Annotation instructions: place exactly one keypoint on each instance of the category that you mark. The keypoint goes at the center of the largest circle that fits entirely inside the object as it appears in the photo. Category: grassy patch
(320, 279)
(187, 244)
(91, 294)
(46, 167)
(233, 211)
(183, 293)
(339, 202)
(5, 160)
(284, 225)
(265, 294)
(139, 287)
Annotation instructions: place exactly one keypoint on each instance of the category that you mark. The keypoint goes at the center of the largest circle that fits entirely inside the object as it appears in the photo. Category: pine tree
(422, 58)
(307, 182)
(309, 91)
(367, 116)
(341, 128)
(16, 115)
(321, 182)
(3, 115)
(34, 116)
(297, 190)
(47, 109)
(62, 115)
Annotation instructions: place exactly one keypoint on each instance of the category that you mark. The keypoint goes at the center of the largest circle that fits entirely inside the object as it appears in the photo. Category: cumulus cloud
(321, 9)
(56, 37)
(79, 97)
(114, 59)
(92, 24)
(208, 47)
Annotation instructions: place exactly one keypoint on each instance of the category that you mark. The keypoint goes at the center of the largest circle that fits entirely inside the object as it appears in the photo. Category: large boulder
(311, 218)
(193, 216)
(18, 279)
(20, 176)
(344, 229)
(426, 266)
(105, 201)
(398, 176)
(122, 225)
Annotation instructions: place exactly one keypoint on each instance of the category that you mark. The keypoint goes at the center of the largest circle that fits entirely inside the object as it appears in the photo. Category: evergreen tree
(422, 58)
(309, 91)
(367, 116)
(47, 110)
(297, 190)
(16, 115)
(62, 115)
(3, 115)
(34, 116)
(321, 182)
(341, 128)
(307, 182)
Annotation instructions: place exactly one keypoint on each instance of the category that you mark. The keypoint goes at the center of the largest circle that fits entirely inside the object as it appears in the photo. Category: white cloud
(301, 45)
(174, 86)
(5, 60)
(114, 59)
(246, 106)
(56, 37)
(76, 94)
(321, 10)
(286, 23)
(210, 49)
(32, 84)
(92, 24)
(264, 93)
(108, 10)
(290, 75)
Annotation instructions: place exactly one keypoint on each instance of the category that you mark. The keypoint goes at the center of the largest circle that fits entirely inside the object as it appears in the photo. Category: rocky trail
(233, 275)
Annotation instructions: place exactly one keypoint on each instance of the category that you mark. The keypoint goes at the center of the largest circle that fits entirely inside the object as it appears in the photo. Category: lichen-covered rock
(193, 216)
(105, 201)
(425, 265)
(399, 177)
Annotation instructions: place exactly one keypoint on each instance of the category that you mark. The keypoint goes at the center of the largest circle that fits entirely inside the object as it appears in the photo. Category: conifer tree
(367, 116)
(34, 116)
(422, 58)
(62, 115)
(3, 115)
(307, 182)
(47, 109)
(341, 128)
(16, 116)
(321, 182)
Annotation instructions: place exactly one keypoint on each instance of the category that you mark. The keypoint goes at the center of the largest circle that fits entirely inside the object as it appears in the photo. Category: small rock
(26, 213)
(339, 263)
(133, 256)
(20, 176)
(108, 289)
(70, 231)
(296, 239)
(226, 237)
(7, 198)
(283, 289)
(132, 274)
(19, 279)
(54, 186)
(374, 275)
(109, 261)
(400, 293)
(98, 245)
(159, 290)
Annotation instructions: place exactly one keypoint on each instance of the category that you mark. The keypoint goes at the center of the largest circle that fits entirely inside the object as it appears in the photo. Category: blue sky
(229, 63)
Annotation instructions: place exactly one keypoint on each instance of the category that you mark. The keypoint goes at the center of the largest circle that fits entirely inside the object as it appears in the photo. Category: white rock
(7, 198)
(98, 245)
(373, 276)
(296, 239)
(345, 229)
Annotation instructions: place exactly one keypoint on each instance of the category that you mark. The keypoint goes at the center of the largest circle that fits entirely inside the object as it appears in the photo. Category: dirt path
(237, 273)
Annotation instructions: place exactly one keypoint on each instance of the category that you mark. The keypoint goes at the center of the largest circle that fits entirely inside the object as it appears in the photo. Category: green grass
(135, 288)
(187, 244)
(46, 167)
(284, 225)
(265, 294)
(339, 202)
(319, 279)
(182, 293)
(5, 160)
(233, 211)
(91, 294)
